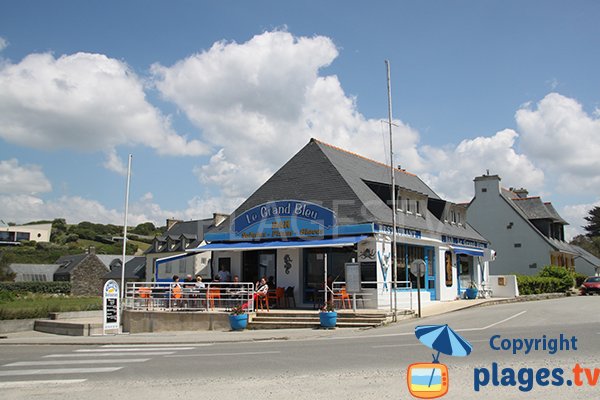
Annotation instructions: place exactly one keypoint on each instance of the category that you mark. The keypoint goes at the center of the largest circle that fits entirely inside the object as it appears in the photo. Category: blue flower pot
(471, 293)
(328, 319)
(238, 322)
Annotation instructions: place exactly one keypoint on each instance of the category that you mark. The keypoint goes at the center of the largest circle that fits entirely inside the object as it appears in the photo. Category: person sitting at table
(261, 291)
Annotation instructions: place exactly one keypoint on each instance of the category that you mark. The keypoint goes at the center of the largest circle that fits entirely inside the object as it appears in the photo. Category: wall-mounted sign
(388, 230)
(283, 219)
(464, 242)
(110, 301)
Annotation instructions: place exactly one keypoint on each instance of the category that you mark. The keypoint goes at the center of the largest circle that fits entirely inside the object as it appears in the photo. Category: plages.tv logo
(430, 380)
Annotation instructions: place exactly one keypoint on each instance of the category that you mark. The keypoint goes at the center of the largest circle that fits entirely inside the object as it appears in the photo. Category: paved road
(369, 364)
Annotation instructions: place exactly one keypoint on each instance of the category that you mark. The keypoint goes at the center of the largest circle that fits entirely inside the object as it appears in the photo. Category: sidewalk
(207, 337)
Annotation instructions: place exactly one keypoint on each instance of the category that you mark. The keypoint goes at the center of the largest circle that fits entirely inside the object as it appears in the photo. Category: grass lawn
(39, 305)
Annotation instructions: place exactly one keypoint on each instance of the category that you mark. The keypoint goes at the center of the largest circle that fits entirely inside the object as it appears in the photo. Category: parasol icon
(443, 339)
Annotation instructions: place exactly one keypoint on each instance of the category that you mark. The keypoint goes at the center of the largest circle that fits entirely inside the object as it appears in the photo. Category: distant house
(14, 235)
(33, 272)
(526, 232)
(135, 270)
(85, 272)
(180, 237)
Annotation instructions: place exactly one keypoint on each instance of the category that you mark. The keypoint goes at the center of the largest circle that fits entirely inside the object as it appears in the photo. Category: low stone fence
(164, 321)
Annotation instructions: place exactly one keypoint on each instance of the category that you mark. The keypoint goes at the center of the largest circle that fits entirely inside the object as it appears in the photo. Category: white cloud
(560, 136)
(114, 163)
(260, 101)
(86, 102)
(3, 43)
(22, 179)
(450, 170)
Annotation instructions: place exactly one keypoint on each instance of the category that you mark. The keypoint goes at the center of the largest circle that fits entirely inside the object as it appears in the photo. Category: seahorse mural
(287, 263)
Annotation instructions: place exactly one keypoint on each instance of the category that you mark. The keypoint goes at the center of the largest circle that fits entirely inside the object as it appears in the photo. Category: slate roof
(34, 269)
(589, 257)
(135, 268)
(68, 263)
(183, 235)
(111, 259)
(336, 179)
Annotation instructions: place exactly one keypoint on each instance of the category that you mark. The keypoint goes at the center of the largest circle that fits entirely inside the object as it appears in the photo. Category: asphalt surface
(349, 364)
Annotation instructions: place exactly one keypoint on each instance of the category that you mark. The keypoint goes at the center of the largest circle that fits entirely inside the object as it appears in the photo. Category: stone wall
(87, 278)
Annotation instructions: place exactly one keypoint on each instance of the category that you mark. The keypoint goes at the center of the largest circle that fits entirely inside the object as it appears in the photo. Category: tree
(593, 229)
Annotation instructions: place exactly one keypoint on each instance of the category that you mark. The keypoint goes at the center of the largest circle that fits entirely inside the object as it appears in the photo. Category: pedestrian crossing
(73, 366)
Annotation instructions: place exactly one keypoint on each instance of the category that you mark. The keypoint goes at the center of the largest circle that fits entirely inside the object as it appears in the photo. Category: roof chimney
(91, 250)
(521, 193)
(171, 222)
(219, 218)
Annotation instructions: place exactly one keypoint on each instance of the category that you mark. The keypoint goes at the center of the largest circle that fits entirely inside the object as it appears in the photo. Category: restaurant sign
(282, 219)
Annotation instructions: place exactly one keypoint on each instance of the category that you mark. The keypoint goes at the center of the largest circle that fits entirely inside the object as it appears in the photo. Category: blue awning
(471, 251)
(241, 246)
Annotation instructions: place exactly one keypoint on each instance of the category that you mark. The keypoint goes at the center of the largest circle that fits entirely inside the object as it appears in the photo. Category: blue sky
(212, 97)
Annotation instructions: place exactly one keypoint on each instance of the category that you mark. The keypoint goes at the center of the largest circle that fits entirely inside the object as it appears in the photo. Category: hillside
(76, 239)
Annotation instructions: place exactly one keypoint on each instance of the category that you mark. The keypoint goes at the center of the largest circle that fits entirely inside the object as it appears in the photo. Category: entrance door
(259, 263)
(314, 264)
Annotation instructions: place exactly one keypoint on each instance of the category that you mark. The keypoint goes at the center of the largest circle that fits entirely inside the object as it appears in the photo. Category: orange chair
(211, 294)
(144, 293)
(277, 296)
(343, 297)
(262, 301)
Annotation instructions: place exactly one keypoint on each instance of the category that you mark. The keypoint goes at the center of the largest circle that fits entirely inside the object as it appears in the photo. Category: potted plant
(471, 292)
(238, 318)
(328, 315)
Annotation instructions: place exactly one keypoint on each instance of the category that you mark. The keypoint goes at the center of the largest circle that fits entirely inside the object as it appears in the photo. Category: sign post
(417, 268)
(353, 281)
(110, 300)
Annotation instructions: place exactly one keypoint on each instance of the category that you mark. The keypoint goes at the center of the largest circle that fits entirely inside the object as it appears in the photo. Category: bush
(36, 287)
(538, 285)
(579, 278)
(565, 276)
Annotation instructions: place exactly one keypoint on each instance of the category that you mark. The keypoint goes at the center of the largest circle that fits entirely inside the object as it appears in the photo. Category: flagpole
(393, 179)
(125, 231)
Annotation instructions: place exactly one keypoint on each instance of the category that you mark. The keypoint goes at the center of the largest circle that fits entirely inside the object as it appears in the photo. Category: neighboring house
(13, 235)
(85, 272)
(180, 237)
(135, 270)
(33, 272)
(526, 233)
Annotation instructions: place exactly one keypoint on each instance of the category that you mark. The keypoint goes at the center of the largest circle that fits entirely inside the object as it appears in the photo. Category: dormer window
(418, 207)
(399, 203)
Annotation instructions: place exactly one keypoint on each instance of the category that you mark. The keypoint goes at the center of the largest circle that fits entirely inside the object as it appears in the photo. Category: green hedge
(36, 287)
(566, 277)
(551, 279)
(538, 285)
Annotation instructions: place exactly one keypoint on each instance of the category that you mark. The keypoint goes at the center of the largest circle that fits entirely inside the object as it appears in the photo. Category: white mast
(125, 231)
(393, 179)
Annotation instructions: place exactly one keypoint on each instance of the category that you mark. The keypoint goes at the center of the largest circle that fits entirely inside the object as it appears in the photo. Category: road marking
(21, 372)
(21, 384)
(415, 344)
(150, 353)
(491, 325)
(74, 362)
(146, 346)
(129, 350)
(226, 354)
